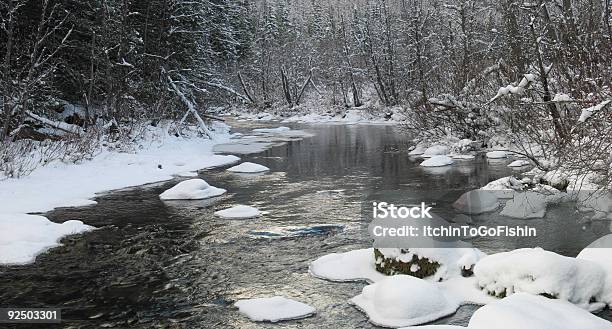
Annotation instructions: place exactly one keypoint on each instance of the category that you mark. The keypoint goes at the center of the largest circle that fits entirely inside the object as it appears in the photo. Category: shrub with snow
(437, 161)
(526, 311)
(403, 300)
(192, 189)
(541, 272)
(239, 211)
(274, 309)
(248, 167)
(476, 202)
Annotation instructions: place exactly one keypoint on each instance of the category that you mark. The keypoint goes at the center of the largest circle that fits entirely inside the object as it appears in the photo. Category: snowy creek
(154, 264)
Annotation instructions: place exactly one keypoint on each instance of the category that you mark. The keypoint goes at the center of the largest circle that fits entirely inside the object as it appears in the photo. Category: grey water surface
(154, 264)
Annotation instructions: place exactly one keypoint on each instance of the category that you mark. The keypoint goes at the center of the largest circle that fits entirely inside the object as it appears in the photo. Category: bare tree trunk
(286, 88)
(245, 89)
(8, 85)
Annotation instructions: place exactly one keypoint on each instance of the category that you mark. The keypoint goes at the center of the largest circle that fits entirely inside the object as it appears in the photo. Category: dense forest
(474, 69)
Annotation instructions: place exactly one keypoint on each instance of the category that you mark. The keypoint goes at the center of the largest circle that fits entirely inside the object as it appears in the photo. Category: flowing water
(174, 265)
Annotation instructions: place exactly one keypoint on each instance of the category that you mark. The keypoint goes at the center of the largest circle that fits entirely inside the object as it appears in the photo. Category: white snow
(274, 309)
(192, 189)
(60, 184)
(524, 311)
(588, 112)
(354, 265)
(476, 202)
(248, 167)
(417, 151)
(436, 150)
(600, 253)
(403, 300)
(437, 161)
(504, 187)
(537, 271)
(497, 155)
(23, 237)
(239, 211)
(272, 130)
(519, 163)
(562, 98)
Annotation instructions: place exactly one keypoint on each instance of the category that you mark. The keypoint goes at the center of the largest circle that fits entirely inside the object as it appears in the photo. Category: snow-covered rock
(192, 189)
(436, 150)
(439, 326)
(524, 311)
(274, 309)
(239, 211)
(537, 272)
(526, 205)
(23, 237)
(497, 155)
(504, 187)
(403, 300)
(600, 252)
(447, 262)
(437, 161)
(354, 265)
(417, 150)
(248, 167)
(519, 163)
(476, 202)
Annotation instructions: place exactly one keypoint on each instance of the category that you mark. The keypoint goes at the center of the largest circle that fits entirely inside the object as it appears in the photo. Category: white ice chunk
(417, 151)
(23, 237)
(274, 309)
(437, 161)
(192, 189)
(248, 167)
(239, 211)
(526, 311)
(403, 300)
(476, 202)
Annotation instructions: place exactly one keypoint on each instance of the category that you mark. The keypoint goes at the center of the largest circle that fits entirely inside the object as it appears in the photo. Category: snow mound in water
(497, 155)
(476, 202)
(403, 300)
(192, 189)
(272, 130)
(274, 309)
(519, 163)
(537, 271)
(523, 311)
(504, 187)
(436, 150)
(23, 237)
(530, 204)
(354, 265)
(599, 252)
(437, 161)
(248, 167)
(239, 211)
(439, 326)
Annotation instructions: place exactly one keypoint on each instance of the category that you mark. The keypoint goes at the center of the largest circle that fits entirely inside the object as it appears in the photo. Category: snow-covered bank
(159, 157)
(354, 116)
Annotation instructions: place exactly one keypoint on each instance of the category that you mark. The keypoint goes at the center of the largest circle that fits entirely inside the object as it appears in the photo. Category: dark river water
(174, 265)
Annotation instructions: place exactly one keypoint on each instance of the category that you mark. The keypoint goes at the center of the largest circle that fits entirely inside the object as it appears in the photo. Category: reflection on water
(175, 265)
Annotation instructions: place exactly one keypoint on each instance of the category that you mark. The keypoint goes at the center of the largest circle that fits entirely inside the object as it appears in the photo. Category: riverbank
(158, 156)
